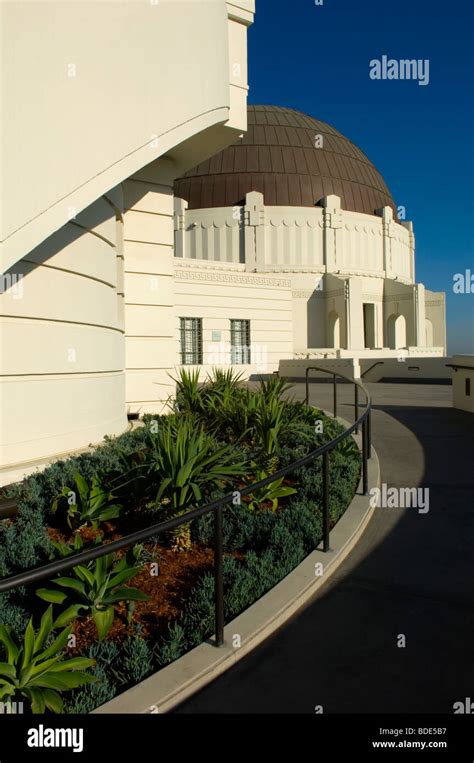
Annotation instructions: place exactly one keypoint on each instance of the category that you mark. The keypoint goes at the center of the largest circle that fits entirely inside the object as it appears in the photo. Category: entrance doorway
(369, 325)
(397, 331)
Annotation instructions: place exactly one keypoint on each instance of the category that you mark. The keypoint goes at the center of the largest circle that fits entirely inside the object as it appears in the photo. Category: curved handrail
(83, 557)
(378, 363)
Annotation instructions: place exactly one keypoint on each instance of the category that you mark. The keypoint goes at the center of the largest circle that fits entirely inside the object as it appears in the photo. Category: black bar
(307, 387)
(219, 576)
(369, 434)
(335, 396)
(365, 476)
(378, 363)
(326, 501)
(356, 406)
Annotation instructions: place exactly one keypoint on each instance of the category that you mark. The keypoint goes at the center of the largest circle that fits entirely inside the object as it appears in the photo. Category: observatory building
(299, 221)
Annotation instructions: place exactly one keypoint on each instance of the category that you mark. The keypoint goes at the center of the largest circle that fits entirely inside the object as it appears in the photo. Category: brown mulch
(178, 572)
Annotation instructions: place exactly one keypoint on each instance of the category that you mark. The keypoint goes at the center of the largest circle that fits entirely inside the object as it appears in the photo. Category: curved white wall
(94, 91)
(94, 94)
(302, 238)
(62, 370)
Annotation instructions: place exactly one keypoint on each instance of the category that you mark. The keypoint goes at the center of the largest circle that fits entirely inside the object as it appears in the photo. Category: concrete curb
(173, 684)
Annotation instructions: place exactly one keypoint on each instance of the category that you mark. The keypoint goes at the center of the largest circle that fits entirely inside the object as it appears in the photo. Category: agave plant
(94, 589)
(269, 423)
(274, 387)
(77, 545)
(190, 393)
(348, 447)
(38, 673)
(231, 413)
(187, 462)
(269, 493)
(132, 484)
(87, 503)
(223, 379)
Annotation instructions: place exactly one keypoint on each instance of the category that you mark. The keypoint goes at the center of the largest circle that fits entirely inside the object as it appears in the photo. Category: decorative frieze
(398, 297)
(306, 293)
(220, 277)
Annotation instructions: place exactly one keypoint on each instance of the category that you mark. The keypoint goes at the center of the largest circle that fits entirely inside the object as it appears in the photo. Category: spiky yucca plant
(187, 461)
(220, 380)
(190, 394)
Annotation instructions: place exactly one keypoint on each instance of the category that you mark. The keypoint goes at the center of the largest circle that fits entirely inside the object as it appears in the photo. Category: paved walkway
(410, 574)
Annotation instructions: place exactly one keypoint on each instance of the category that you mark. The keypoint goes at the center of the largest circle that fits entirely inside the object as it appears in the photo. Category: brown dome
(277, 156)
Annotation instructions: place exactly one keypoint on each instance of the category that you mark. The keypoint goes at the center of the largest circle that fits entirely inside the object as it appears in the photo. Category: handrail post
(335, 395)
(307, 386)
(365, 479)
(219, 577)
(326, 547)
(356, 406)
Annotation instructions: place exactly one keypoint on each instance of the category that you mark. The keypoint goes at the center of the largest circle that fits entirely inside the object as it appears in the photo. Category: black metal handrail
(378, 363)
(83, 557)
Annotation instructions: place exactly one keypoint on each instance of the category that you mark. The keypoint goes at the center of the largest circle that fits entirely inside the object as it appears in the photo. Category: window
(240, 342)
(191, 341)
(467, 386)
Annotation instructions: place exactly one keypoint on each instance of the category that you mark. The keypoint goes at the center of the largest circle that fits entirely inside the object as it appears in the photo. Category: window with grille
(240, 342)
(191, 341)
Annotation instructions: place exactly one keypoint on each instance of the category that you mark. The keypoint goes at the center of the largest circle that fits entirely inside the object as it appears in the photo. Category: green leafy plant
(269, 423)
(269, 493)
(223, 379)
(87, 503)
(190, 393)
(132, 485)
(188, 461)
(94, 589)
(38, 673)
(231, 413)
(348, 447)
(274, 387)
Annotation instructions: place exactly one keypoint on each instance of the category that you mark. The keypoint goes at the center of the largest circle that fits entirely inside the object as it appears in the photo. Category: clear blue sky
(316, 59)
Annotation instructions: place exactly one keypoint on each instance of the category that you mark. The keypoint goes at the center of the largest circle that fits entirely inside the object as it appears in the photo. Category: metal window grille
(240, 342)
(191, 341)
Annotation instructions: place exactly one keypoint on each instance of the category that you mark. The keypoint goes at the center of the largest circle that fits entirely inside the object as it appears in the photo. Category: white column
(180, 207)
(254, 233)
(332, 232)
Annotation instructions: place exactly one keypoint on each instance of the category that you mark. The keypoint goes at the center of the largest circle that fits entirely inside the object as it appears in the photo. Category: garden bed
(129, 614)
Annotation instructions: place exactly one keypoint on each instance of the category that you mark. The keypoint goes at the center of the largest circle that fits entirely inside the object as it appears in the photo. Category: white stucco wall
(62, 343)
(337, 261)
(149, 290)
(116, 86)
(461, 385)
(313, 239)
(79, 118)
(220, 293)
